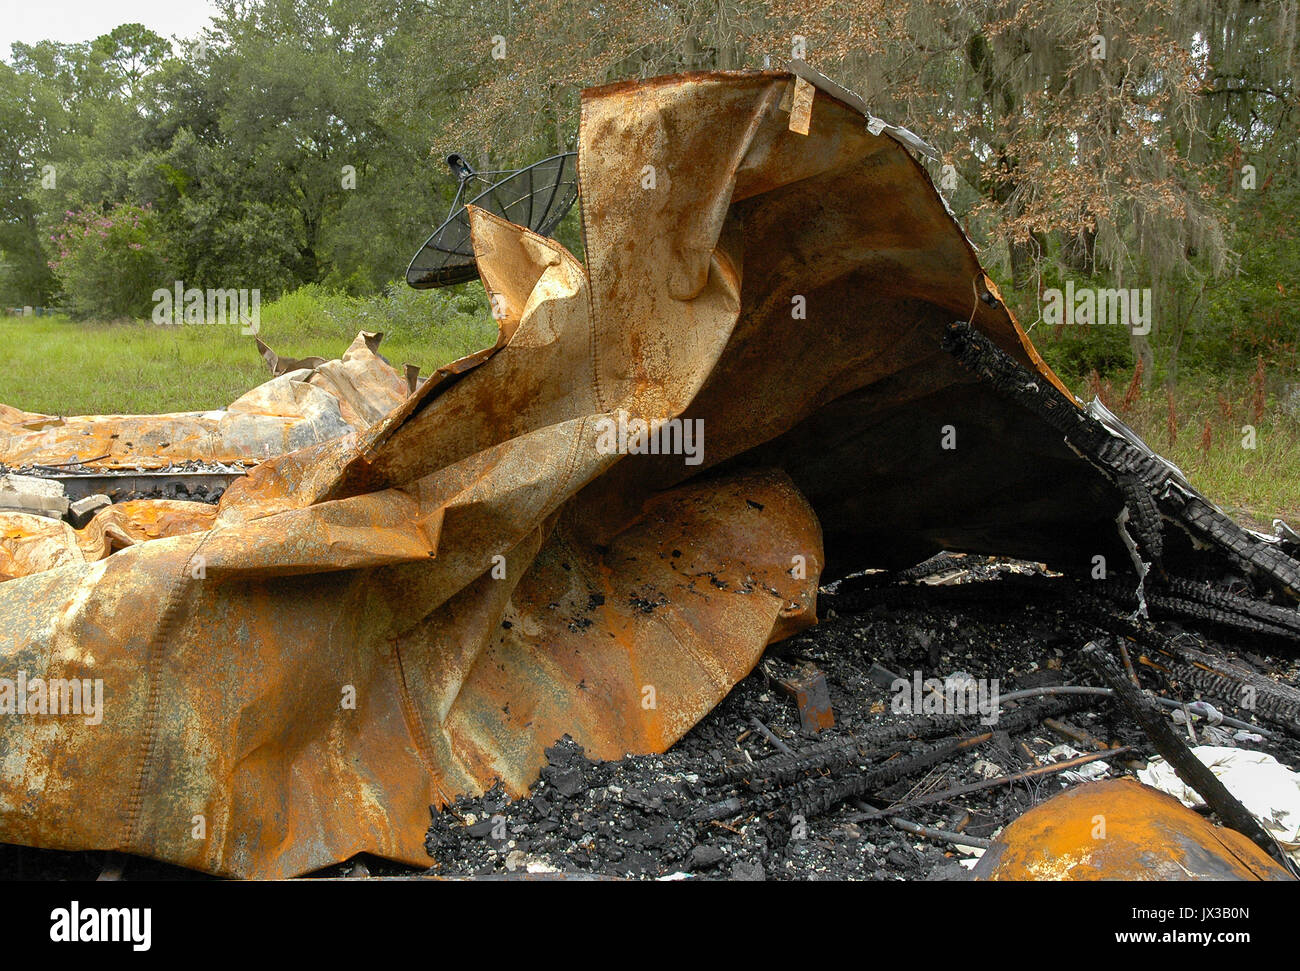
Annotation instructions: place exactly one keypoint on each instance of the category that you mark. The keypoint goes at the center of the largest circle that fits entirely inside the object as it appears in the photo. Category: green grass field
(60, 366)
(1210, 419)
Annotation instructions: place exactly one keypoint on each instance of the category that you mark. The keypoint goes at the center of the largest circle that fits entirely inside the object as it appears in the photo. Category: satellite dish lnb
(459, 167)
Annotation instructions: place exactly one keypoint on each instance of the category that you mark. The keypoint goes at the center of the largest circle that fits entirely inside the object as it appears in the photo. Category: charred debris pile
(841, 755)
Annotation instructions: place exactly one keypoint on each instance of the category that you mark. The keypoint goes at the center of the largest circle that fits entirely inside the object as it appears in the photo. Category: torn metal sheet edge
(875, 125)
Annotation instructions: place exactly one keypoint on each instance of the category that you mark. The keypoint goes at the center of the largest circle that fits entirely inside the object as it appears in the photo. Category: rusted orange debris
(378, 622)
(1121, 830)
(807, 686)
(31, 544)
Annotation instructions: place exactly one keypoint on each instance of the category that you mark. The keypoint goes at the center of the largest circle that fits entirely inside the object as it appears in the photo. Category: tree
(1086, 140)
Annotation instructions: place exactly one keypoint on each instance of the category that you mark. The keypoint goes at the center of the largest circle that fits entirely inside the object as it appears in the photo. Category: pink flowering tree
(109, 262)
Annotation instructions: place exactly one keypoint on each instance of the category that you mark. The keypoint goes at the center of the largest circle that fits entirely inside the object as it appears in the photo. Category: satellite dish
(537, 196)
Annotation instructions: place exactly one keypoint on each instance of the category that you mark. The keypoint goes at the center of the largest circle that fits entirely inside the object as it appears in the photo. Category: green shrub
(425, 327)
(108, 264)
(1074, 351)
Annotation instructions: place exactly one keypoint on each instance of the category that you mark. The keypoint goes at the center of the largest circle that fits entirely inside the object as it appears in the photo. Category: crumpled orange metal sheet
(381, 621)
(289, 411)
(1121, 830)
(134, 521)
(32, 544)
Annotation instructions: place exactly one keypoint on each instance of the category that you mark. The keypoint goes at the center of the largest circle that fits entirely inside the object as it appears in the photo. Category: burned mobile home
(416, 609)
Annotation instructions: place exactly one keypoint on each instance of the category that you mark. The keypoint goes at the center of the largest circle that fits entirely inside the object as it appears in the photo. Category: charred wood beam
(814, 797)
(1213, 677)
(939, 563)
(1166, 595)
(1189, 768)
(872, 743)
(1126, 466)
(1003, 780)
(848, 778)
(1175, 597)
